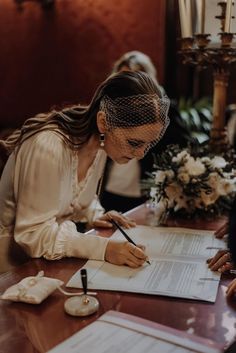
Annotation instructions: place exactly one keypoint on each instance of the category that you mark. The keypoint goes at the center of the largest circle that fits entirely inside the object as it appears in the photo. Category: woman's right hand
(221, 262)
(125, 253)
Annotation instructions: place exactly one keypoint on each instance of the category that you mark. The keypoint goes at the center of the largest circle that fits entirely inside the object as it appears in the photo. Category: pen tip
(148, 262)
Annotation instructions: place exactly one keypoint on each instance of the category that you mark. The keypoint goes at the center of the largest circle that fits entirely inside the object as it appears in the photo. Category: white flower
(183, 177)
(153, 192)
(226, 187)
(160, 176)
(173, 191)
(194, 167)
(170, 174)
(213, 180)
(180, 156)
(182, 184)
(206, 160)
(218, 162)
(222, 186)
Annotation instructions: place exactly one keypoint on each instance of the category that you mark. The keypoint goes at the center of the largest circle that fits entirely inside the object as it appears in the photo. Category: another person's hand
(231, 290)
(222, 231)
(221, 262)
(118, 217)
(125, 253)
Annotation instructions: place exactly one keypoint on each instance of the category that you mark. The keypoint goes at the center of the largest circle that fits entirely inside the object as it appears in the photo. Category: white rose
(206, 160)
(194, 167)
(214, 180)
(226, 187)
(173, 191)
(160, 176)
(170, 174)
(218, 162)
(184, 177)
(180, 156)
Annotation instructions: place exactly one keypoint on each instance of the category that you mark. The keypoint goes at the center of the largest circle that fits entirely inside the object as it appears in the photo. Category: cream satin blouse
(40, 196)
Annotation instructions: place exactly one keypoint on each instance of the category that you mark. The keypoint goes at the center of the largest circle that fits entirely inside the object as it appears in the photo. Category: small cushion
(32, 289)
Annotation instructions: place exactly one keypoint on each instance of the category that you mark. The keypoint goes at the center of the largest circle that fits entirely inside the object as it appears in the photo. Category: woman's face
(122, 145)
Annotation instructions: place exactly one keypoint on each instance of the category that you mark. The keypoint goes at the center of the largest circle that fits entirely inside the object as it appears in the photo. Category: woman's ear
(101, 122)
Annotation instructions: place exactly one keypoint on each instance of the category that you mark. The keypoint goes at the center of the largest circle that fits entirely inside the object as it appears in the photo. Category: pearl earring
(102, 140)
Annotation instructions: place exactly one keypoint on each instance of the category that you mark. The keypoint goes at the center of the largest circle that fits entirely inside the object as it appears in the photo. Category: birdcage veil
(148, 111)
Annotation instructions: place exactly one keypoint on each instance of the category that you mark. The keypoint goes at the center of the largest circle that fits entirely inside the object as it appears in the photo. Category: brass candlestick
(197, 51)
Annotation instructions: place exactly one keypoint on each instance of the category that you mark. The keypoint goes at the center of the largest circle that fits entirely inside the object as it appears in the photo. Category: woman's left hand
(118, 217)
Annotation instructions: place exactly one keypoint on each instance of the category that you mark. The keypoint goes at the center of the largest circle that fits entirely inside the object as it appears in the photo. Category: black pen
(125, 234)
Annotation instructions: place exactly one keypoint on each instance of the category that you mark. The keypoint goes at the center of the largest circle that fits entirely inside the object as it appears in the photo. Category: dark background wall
(57, 56)
(50, 58)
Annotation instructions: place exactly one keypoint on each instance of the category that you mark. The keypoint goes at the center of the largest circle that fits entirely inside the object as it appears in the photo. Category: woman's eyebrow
(136, 140)
(141, 141)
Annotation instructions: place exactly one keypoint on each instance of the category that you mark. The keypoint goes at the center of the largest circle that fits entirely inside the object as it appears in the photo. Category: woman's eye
(134, 143)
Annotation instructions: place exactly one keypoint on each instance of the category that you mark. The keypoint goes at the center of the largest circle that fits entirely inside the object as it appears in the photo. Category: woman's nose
(140, 152)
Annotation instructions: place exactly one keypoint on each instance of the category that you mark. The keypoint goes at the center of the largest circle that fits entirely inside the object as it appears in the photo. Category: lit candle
(228, 16)
(200, 7)
(189, 17)
(202, 28)
(185, 18)
(182, 16)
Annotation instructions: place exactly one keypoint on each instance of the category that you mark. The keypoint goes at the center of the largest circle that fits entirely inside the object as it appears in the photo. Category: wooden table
(28, 328)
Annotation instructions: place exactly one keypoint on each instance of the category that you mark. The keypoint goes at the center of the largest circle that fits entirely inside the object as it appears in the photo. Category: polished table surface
(26, 328)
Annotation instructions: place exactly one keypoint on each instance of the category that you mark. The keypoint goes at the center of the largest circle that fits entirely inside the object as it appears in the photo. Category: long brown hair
(76, 124)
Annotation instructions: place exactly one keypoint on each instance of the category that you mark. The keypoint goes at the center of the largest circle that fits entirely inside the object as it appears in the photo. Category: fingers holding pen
(136, 254)
(125, 253)
(137, 251)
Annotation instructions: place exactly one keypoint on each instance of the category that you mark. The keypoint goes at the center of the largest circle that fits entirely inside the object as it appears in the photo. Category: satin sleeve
(43, 166)
(94, 211)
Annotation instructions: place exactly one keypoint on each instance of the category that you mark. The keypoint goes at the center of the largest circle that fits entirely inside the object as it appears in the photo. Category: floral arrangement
(192, 182)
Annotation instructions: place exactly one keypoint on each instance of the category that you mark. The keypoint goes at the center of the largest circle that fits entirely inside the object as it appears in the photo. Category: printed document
(137, 336)
(178, 265)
